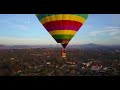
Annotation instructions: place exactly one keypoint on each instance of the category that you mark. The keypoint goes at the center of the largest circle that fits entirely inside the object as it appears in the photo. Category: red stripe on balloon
(62, 25)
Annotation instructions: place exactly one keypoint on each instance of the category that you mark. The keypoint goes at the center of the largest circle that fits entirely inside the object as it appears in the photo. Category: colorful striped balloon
(62, 27)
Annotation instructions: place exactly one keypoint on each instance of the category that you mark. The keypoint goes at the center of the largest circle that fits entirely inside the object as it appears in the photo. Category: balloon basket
(63, 53)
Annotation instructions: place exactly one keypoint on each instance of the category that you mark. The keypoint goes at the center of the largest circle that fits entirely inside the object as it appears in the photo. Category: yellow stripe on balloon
(58, 17)
(46, 19)
(63, 17)
(66, 16)
(59, 32)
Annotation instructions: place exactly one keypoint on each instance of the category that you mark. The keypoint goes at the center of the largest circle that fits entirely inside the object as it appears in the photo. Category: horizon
(55, 44)
(25, 29)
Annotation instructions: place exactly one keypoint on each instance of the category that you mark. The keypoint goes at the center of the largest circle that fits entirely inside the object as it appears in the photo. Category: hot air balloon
(62, 27)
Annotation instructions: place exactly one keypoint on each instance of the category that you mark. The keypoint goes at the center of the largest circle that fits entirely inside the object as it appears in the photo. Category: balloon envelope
(62, 27)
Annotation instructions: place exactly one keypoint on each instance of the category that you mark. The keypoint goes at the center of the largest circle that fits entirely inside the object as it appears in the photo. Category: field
(48, 62)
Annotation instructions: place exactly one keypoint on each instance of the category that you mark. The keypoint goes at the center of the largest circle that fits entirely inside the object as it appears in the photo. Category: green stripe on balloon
(62, 36)
(83, 15)
(62, 40)
(41, 16)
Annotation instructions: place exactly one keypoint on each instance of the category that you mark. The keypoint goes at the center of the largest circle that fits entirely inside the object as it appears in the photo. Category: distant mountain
(95, 46)
(19, 46)
(27, 46)
(4, 47)
(91, 45)
(84, 46)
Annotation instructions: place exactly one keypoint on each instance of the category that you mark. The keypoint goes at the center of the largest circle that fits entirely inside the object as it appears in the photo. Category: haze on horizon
(25, 29)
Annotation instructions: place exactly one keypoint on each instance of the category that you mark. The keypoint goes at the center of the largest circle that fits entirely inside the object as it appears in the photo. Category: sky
(25, 29)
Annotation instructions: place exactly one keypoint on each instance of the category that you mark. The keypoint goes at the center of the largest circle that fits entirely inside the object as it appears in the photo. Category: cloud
(117, 37)
(5, 22)
(93, 34)
(88, 26)
(112, 31)
(114, 27)
(25, 41)
(21, 27)
(28, 21)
